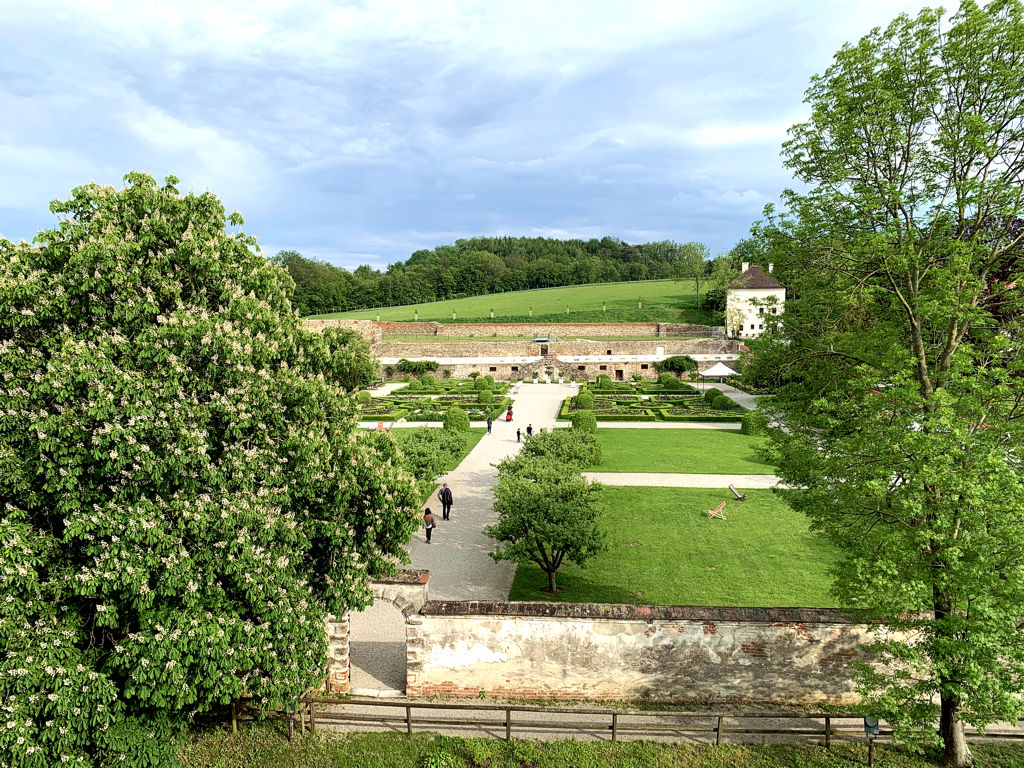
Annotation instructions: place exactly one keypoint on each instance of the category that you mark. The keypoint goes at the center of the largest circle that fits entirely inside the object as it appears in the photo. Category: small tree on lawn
(456, 420)
(546, 515)
(181, 502)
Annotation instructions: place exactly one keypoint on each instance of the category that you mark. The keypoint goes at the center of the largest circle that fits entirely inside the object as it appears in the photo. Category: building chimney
(770, 267)
(745, 266)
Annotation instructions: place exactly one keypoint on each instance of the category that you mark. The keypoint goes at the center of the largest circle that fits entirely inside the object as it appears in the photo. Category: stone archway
(377, 637)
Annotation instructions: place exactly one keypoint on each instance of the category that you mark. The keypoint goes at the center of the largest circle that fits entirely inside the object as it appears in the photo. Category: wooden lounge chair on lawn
(718, 512)
(739, 496)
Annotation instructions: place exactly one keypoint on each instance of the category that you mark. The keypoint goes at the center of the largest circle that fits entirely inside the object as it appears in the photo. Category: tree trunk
(551, 582)
(951, 729)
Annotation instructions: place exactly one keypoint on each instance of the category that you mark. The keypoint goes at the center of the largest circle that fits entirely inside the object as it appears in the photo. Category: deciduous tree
(181, 500)
(899, 359)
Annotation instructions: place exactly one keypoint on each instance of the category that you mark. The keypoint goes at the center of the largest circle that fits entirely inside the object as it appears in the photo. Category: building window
(760, 310)
(492, 368)
(604, 367)
(751, 326)
(608, 352)
(760, 327)
(775, 310)
(581, 367)
(515, 368)
(643, 366)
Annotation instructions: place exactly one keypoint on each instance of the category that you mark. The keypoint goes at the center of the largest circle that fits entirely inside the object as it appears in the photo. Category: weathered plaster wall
(570, 651)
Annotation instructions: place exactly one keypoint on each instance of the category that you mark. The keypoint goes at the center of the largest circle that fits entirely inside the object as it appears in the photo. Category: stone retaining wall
(492, 348)
(368, 330)
(548, 329)
(794, 656)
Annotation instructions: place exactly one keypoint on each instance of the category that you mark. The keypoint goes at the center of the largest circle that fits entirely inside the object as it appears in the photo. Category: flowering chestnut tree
(182, 498)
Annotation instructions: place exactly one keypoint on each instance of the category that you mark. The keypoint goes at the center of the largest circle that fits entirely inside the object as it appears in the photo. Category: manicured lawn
(472, 438)
(705, 451)
(265, 745)
(663, 301)
(663, 550)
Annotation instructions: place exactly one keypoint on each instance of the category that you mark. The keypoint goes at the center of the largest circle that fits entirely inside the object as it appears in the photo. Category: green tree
(456, 420)
(584, 421)
(570, 447)
(693, 264)
(181, 505)
(546, 515)
(585, 399)
(901, 406)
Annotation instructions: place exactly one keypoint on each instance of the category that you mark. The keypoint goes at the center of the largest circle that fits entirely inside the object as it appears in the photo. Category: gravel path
(670, 480)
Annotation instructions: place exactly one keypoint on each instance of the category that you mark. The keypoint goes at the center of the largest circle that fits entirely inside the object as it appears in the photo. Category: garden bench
(718, 512)
(739, 496)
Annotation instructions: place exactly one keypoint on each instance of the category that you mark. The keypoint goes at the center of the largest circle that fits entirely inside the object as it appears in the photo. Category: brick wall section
(493, 348)
(365, 328)
(548, 329)
(624, 652)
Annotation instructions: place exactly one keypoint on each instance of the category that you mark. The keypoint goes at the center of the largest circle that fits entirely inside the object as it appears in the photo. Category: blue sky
(360, 132)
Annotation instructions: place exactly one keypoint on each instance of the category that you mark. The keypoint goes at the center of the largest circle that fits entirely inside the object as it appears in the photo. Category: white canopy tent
(717, 371)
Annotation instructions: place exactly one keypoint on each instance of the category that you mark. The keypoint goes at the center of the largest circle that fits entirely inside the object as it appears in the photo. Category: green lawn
(663, 301)
(265, 745)
(663, 550)
(705, 451)
(472, 438)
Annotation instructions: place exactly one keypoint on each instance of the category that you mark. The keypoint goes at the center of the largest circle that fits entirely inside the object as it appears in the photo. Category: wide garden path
(457, 558)
(673, 480)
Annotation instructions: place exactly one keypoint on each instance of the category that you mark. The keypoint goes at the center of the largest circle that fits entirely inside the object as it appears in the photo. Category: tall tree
(693, 264)
(900, 360)
(182, 501)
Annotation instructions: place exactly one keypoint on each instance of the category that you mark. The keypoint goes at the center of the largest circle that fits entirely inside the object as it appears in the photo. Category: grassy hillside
(665, 301)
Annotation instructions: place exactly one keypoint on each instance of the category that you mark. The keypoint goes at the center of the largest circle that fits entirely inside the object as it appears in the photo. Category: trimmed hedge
(585, 399)
(708, 417)
(485, 397)
(456, 420)
(645, 416)
(754, 423)
(712, 393)
(584, 421)
(363, 397)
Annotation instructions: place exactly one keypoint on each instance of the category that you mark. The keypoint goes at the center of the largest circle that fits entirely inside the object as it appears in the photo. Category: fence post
(615, 725)
(828, 732)
(508, 724)
(718, 732)
(408, 721)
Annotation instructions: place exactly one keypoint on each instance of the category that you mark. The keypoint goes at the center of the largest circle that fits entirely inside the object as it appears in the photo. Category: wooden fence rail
(311, 711)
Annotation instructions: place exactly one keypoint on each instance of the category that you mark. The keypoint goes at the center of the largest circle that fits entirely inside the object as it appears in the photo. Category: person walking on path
(428, 523)
(445, 497)
(519, 435)
(489, 422)
(529, 430)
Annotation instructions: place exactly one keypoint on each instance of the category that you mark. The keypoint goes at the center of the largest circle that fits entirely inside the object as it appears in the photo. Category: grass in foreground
(265, 746)
(663, 550)
(667, 301)
(713, 451)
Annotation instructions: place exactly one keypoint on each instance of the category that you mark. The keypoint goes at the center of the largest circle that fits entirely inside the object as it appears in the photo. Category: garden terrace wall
(365, 328)
(795, 656)
(551, 330)
(493, 348)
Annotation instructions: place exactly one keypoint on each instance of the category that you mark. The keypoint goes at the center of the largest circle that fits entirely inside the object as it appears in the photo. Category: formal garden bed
(667, 551)
(428, 408)
(659, 406)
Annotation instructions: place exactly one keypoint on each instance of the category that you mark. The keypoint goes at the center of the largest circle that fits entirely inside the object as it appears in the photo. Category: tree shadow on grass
(577, 586)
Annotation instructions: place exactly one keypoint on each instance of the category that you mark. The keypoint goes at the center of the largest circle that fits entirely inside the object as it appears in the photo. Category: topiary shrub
(490, 379)
(485, 396)
(447, 373)
(585, 400)
(665, 378)
(480, 384)
(584, 421)
(428, 380)
(363, 397)
(723, 403)
(456, 420)
(711, 394)
(753, 423)
(389, 371)
(474, 374)
(638, 376)
(604, 381)
(673, 384)
(414, 385)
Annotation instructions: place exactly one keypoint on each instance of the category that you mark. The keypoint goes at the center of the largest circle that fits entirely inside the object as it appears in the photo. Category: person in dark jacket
(519, 435)
(428, 522)
(445, 497)
(529, 430)
(489, 422)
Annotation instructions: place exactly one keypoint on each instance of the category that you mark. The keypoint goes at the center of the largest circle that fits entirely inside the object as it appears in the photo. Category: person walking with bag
(428, 522)
(445, 497)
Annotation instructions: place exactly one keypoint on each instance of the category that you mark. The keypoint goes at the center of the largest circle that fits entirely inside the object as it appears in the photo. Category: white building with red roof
(752, 297)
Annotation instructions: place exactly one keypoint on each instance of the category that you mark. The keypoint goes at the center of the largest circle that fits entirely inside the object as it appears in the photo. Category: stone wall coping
(406, 576)
(621, 612)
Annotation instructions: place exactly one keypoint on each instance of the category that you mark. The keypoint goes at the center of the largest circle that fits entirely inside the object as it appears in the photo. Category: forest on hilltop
(483, 265)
